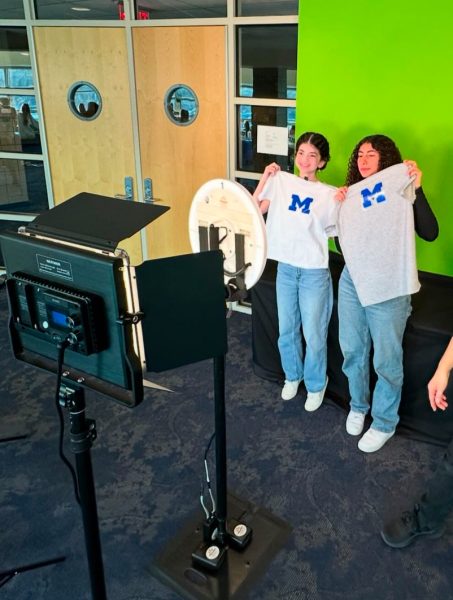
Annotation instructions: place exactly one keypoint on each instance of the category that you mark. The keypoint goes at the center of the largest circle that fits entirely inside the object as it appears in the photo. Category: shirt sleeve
(268, 189)
(332, 215)
(407, 185)
(425, 220)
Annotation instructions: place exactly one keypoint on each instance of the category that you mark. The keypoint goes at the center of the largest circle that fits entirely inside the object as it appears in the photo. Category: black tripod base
(6, 576)
(14, 438)
(240, 568)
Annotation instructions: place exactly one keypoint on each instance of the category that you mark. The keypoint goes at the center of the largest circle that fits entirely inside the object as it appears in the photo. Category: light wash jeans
(383, 324)
(304, 298)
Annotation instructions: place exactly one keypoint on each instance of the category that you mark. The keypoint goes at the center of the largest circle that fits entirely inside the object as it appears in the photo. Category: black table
(428, 332)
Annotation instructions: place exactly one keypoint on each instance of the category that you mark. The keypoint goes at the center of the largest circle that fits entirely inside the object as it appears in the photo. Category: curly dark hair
(388, 155)
(318, 141)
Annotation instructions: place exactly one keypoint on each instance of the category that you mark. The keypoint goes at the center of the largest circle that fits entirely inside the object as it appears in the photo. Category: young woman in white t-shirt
(302, 213)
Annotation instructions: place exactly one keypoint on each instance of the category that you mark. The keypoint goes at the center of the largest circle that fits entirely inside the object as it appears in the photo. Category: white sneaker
(354, 422)
(373, 440)
(290, 389)
(314, 399)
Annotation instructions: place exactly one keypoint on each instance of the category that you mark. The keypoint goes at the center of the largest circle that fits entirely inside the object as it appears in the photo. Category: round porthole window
(84, 100)
(181, 104)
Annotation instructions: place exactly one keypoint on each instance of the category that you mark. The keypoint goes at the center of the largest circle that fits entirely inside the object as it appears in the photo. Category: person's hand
(414, 171)
(436, 389)
(340, 194)
(271, 169)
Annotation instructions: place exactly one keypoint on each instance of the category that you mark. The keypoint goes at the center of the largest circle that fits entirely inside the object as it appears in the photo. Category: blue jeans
(304, 298)
(383, 324)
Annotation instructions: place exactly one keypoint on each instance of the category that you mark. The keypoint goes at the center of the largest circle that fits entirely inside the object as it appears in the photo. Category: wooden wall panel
(92, 156)
(180, 159)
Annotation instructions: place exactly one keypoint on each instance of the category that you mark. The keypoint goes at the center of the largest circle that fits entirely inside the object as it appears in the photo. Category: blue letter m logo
(297, 203)
(375, 195)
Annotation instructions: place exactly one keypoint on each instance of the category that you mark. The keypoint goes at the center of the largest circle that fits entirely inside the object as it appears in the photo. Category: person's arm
(426, 225)
(340, 196)
(269, 171)
(439, 381)
(337, 245)
(425, 220)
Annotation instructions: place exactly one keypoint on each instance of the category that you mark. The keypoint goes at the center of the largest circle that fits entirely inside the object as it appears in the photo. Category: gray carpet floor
(148, 462)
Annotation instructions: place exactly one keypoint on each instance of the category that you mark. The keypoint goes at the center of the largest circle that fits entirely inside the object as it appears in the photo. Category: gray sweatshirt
(377, 236)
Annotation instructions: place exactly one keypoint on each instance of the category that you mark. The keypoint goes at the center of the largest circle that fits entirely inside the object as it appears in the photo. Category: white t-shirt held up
(301, 217)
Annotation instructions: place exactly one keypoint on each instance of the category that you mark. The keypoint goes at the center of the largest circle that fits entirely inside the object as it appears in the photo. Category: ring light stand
(219, 557)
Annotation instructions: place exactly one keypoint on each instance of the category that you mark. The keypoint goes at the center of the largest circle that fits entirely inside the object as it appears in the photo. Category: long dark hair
(26, 113)
(388, 155)
(318, 141)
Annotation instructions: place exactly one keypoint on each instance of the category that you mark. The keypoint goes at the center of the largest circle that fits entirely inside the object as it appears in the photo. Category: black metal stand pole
(83, 432)
(220, 447)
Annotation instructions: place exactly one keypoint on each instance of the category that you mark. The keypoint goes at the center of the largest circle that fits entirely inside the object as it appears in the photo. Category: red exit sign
(142, 15)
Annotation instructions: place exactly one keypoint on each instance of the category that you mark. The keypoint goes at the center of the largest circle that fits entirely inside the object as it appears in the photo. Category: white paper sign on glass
(272, 140)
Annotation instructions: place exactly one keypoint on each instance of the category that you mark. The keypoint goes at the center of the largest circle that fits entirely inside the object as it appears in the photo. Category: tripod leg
(13, 438)
(4, 580)
(6, 576)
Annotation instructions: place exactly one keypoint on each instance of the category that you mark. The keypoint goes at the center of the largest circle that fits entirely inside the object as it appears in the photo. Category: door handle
(148, 195)
(148, 189)
(128, 190)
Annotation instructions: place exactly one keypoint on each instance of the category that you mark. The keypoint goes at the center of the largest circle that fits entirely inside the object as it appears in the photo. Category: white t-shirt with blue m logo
(302, 215)
(377, 236)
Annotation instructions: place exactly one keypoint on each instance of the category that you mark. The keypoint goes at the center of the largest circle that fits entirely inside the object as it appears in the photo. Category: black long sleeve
(425, 221)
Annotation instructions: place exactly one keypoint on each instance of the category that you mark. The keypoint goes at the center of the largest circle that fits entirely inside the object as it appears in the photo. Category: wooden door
(179, 159)
(87, 156)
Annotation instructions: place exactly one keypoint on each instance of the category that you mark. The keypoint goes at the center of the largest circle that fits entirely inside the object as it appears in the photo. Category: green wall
(383, 66)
